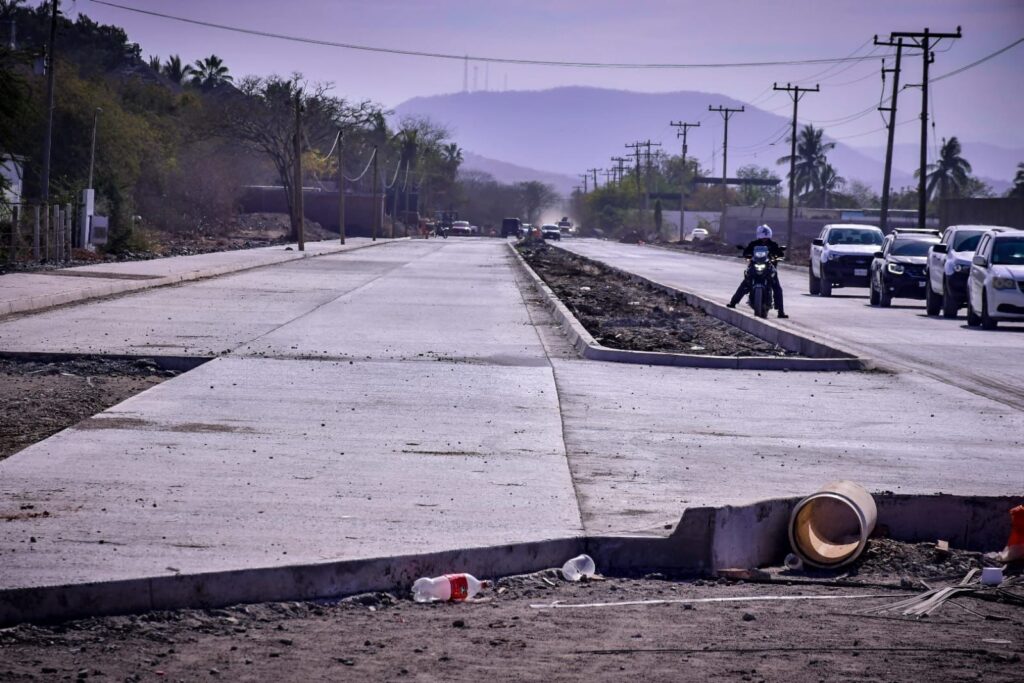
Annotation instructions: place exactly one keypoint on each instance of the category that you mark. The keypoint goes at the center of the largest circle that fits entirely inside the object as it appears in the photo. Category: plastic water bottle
(448, 587)
(578, 567)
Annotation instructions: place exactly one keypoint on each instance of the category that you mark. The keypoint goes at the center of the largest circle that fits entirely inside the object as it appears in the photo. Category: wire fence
(35, 233)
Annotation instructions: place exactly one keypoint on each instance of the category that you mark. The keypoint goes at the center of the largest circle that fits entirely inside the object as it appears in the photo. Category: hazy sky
(983, 104)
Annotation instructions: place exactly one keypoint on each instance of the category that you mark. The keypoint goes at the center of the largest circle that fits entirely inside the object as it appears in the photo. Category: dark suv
(511, 227)
(899, 269)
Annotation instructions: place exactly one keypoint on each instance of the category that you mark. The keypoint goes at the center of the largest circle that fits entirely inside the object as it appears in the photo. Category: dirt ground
(38, 399)
(381, 636)
(250, 231)
(623, 314)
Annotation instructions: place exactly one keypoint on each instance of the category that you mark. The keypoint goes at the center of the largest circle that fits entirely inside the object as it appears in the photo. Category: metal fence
(36, 232)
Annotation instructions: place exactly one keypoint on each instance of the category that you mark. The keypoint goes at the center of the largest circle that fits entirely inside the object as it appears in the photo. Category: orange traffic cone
(1015, 545)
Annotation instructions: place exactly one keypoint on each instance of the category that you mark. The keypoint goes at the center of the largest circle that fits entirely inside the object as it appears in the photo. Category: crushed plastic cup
(578, 567)
(991, 576)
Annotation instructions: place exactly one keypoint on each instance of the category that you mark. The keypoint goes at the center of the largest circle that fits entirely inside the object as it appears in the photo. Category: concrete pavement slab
(23, 292)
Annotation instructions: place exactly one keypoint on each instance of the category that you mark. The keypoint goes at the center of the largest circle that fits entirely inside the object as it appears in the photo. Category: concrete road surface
(988, 363)
(416, 397)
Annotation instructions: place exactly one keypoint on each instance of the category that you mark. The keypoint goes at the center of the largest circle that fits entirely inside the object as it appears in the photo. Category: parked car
(841, 257)
(898, 269)
(460, 228)
(949, 263)
(697, 235)
(511, 227)
(995, 286)
(550, 231)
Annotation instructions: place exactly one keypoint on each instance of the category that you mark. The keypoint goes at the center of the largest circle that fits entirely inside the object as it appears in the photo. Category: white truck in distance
(949, 263)
(841, 257)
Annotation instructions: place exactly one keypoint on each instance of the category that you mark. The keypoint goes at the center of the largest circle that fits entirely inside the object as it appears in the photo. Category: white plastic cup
(991, 576)
(578, 567)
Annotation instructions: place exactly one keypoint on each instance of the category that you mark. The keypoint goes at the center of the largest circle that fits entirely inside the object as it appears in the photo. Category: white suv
(995, 287)
(949, 262)
(841, 257)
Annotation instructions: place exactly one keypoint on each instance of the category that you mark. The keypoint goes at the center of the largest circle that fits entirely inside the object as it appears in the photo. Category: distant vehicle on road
(995, 286)
(511, 227)
(898, 270)
(949, 264)
(698, 235)
(460, 228)
(550, 231)
(841, 257)
(566, 227)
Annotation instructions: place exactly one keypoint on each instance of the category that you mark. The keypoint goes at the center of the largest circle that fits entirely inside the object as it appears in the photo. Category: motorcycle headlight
(759, 267)
(1004, 283)
(895, 268)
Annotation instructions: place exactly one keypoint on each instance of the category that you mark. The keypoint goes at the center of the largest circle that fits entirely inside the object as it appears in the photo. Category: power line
(481, 58)
(984, 59)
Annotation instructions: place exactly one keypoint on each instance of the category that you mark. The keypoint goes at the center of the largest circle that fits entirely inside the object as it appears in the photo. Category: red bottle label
(459, 586)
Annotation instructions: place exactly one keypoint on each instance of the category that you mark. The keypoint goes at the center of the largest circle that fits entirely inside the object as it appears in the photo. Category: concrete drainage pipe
(830, 528)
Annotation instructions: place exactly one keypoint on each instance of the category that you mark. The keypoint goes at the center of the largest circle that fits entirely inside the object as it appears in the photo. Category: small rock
(459, 623)
(747, 616)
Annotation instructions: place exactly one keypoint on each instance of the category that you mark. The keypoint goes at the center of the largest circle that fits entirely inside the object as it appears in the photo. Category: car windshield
(911, 247)
(854, 237)
(1008, 251)
(967, 240)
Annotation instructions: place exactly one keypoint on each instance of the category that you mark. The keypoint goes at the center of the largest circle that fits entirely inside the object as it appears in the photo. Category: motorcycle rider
(763, 239)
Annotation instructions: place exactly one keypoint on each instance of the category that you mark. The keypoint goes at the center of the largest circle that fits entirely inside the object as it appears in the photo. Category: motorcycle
(760, 273)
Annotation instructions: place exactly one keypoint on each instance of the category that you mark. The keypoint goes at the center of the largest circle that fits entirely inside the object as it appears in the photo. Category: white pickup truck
(949, 264)
(841, 257)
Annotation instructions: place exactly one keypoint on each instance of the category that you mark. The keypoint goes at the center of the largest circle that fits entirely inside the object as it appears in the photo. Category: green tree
(753, 195)
(1018, 182)
(175, 70)
(536, 196)
(950, 174)
(831, 183)
(210, 72)
(810, 159)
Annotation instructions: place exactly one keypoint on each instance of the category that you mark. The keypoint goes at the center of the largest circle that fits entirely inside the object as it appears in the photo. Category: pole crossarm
(727, 113)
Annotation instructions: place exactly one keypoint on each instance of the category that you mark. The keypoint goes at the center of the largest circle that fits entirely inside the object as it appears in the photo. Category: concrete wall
(320, 206)
(997, 211)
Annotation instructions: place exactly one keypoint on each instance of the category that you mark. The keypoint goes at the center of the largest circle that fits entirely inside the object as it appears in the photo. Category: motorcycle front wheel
(760, 305)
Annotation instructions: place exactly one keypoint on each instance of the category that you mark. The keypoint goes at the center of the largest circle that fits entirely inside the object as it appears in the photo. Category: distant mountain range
(558, 133)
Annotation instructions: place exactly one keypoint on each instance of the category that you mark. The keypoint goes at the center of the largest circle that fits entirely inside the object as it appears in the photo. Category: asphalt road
(987, 363)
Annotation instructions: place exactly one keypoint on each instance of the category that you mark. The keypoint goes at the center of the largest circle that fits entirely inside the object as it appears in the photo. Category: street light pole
(92, 152)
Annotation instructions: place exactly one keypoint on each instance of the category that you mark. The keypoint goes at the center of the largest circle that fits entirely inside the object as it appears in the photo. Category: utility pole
(300, 212)
(585, 177)
(609, 176)
(925, 41)
(646, 144)
(682, 176)
(795, 93)
(883, 217)
(726, 113)
(620, 171)
(373, 197)
(340, 144)
(594, 171)
(51, 72)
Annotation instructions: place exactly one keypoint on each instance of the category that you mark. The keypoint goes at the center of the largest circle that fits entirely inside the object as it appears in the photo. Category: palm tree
(452, 155)
(210, 72)
(176, 70)
(1018, 182)
(831, 182)
(950, 175)
(154, 63)
(810, 159)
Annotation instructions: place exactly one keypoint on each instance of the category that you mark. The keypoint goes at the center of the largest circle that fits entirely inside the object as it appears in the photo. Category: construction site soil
(622, 313)
(600, 630)
(40, 398)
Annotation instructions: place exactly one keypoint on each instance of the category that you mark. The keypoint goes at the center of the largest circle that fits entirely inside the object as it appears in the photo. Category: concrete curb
(704, 540)
(99, 290)
(817, 356)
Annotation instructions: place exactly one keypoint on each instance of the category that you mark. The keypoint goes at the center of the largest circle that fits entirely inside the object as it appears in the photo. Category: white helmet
(764, 232)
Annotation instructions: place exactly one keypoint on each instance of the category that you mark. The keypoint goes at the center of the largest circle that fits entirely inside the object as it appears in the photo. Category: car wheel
(884, 298)
(813, 283)
(973, 319)
(950, 306)
(826, 286)
(872, 294)
(932, 301)
(987, 323)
